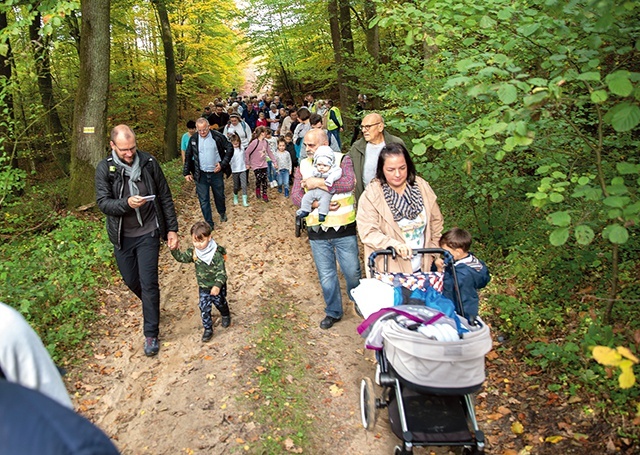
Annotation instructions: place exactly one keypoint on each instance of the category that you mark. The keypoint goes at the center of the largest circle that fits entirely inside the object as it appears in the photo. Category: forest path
(204, 398)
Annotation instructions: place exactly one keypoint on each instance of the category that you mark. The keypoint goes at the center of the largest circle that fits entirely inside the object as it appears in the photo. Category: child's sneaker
(207, 335)
(286, 192)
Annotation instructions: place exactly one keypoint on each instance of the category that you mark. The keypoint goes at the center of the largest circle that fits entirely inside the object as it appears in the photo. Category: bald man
(335, 237)
(132, 191)
(365, 151)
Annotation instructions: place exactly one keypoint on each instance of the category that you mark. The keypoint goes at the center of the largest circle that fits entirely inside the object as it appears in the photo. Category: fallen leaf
(554, 439)
(517, 428)
(239, 441)
(335, 391)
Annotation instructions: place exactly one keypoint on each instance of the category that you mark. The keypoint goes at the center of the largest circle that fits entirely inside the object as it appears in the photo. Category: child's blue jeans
(271, 172)
(283, 178)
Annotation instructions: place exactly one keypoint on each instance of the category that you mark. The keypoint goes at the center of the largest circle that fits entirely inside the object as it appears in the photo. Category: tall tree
(171, 118)
(336, 40)
(40, 46)
(88, 142)
(371, 32)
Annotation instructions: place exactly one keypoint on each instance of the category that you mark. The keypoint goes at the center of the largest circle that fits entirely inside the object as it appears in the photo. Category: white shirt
(371, 154)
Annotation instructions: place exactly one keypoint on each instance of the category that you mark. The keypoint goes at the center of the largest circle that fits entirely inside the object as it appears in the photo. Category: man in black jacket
(207, 157)
(133, 192)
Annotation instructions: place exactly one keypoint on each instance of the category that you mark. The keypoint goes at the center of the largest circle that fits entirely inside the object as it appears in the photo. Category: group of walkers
(372, 192)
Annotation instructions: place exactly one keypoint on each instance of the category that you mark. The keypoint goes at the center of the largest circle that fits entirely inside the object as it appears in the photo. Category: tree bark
(337, 41)
(373, 33)
(171, 118)
(347, 54)
(89, 139)
(39, 44)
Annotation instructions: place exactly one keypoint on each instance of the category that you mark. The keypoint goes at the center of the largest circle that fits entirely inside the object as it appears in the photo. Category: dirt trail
(196, 398)
(191, 397)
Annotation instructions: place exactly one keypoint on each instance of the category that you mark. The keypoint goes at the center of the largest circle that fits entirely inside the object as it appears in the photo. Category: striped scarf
(407, 205)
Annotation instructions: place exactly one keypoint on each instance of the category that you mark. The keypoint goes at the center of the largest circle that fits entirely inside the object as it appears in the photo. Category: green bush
(52, 279)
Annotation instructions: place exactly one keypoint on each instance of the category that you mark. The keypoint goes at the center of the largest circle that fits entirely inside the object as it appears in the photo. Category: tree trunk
(337, 41)
(88, 142)
(346, 86)
(373, 33)
(54, 127)
(171, 118)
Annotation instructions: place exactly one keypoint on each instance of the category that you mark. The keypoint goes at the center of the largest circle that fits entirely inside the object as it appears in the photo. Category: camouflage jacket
(208, 275)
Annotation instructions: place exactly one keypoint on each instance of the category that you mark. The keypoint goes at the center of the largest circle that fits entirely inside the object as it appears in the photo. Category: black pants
(138, 264)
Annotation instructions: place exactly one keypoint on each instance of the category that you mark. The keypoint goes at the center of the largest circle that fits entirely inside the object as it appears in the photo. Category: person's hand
(188, 178)
(313, 182)
(136, 201)
(217, 169)
(172, 240)
(404, 251)
(215, 290)
(248, 167)
(439, 264)
(334, 205)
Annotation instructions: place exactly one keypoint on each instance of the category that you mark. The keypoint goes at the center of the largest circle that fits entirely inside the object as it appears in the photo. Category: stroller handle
(391, 251)
(449, 263)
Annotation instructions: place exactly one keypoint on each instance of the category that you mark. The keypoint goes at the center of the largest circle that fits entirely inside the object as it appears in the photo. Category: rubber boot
(265, 198)
(258, 194)
(235, 199)
(244, 201)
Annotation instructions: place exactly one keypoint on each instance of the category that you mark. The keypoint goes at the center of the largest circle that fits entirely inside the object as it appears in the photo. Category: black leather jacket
(192, 157)
(110, 187)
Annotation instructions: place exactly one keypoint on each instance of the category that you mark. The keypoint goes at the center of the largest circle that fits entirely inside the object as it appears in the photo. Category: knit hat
(324, 155)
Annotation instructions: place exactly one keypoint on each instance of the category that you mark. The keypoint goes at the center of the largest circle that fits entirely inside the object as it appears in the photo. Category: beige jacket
(378, 230)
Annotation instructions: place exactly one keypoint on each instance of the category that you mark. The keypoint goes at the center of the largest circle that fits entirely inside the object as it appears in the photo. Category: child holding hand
(211, 274)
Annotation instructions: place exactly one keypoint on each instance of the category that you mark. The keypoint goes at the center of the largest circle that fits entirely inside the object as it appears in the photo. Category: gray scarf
(407, 205)
(134, 173)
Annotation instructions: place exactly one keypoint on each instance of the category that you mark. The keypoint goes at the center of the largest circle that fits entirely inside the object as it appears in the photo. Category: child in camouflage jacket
(209, 259)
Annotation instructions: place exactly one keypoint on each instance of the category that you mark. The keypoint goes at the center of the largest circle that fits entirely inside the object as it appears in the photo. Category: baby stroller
(428, 366)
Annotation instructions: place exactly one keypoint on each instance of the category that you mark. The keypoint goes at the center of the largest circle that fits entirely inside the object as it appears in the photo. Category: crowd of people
(371, 193)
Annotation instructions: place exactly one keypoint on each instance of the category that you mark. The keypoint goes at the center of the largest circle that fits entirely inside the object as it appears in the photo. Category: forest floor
(207, 398)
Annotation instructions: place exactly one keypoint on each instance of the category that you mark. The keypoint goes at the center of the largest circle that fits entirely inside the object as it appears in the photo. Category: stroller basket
(444, 367)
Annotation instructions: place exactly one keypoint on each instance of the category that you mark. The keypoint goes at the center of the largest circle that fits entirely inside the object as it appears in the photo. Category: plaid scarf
(407, 205)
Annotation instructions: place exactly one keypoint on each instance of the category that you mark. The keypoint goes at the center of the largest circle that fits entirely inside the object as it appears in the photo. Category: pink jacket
(378, 230)
(255, 155)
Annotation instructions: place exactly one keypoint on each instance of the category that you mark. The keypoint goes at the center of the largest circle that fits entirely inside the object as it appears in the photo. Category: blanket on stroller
(446, 362)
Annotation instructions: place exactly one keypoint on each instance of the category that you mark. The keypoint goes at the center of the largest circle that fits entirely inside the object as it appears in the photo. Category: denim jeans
(283, 178)
(271, 171)
(215, 181)
(325, 253)
(336, 135)
(138, 264)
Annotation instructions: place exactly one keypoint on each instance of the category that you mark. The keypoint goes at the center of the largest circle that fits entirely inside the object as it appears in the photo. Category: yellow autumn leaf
(554, 439)
(606, 356)
(517, 427)
(335, 391)
(627, 379)
(625, 352)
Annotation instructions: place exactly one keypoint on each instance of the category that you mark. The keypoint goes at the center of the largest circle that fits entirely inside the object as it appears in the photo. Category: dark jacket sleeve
(225, 148)
(108, 202)
(188, 167)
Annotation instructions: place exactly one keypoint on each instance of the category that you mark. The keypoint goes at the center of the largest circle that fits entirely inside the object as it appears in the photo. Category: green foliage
(53, 278)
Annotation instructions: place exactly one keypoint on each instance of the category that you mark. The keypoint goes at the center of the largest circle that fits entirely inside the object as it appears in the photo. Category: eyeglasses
(132, 149)
(367, 127)
(204, 131)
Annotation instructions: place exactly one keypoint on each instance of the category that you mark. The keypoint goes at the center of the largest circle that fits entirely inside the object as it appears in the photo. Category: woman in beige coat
(398, 209)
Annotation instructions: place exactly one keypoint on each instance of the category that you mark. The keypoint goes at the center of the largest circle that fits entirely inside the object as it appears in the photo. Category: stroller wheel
(368, 410)
(397, 450)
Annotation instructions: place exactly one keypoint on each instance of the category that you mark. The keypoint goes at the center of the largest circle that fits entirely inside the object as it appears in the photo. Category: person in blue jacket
(31, 423)
(472, 273)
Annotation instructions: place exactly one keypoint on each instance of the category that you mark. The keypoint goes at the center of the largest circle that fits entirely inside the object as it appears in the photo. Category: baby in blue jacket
(472, 273)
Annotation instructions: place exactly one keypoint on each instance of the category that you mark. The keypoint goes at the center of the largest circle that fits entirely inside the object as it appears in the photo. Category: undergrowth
(283, 406)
